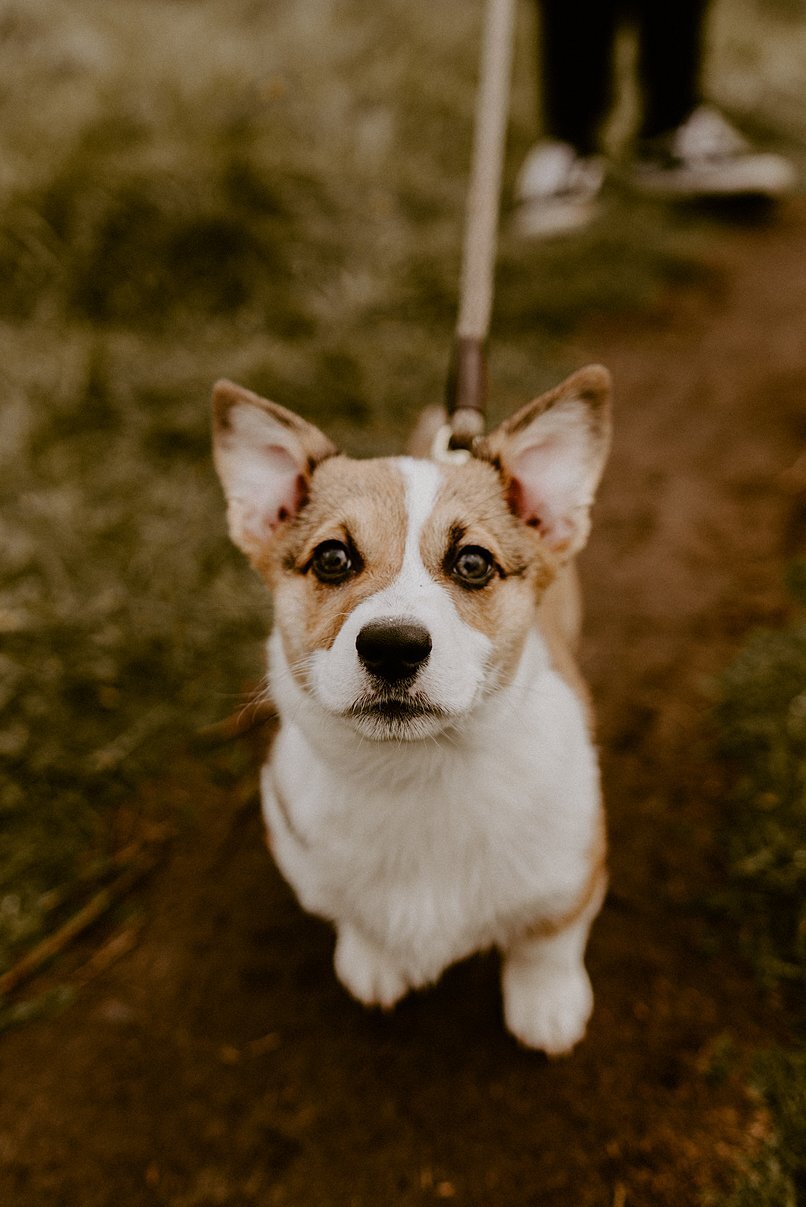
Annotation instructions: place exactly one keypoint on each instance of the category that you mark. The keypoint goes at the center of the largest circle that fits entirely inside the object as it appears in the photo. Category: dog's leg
(366, 970)
(547, 994)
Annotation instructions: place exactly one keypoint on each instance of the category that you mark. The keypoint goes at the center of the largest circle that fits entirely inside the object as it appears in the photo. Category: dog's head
(404, 589)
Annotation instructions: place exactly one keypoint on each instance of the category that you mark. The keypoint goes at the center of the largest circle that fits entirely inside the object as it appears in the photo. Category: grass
(778, 1176)
(762, 718)
(271, 192)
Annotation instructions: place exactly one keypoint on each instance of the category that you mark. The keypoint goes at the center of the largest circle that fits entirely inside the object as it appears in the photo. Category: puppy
(433, 788)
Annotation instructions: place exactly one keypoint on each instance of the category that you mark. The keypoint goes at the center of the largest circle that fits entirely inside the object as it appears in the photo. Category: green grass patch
(762, 717)
(778, 1175)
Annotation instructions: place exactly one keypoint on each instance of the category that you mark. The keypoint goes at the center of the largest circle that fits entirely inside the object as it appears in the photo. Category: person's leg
(575, 61)
(560, 180)
(670, 50)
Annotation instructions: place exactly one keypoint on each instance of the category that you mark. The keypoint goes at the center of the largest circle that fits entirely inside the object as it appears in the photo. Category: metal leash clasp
(442, 452)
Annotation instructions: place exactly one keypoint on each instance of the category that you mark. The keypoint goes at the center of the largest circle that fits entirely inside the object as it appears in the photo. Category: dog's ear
(265, 456)
(552, 453)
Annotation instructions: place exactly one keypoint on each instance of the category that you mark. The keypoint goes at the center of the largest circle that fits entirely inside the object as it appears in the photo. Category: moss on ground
(762, 717)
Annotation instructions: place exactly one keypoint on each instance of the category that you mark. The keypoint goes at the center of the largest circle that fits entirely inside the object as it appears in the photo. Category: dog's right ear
(265, 456)
(551, 454)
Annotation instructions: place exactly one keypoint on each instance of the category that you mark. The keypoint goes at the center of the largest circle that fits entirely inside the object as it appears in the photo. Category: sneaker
(557, 190)
(708, 157)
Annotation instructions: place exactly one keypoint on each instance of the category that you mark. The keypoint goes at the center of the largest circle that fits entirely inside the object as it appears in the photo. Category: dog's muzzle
(394, 650)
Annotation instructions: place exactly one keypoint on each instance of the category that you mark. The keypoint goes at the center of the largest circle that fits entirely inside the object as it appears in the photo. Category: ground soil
(218, 1062)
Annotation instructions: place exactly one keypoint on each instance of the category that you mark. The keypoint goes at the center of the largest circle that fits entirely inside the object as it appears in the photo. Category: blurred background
(272, 192)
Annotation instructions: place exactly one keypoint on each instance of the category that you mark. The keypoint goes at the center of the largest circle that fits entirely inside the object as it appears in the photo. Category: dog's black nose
(393, 649)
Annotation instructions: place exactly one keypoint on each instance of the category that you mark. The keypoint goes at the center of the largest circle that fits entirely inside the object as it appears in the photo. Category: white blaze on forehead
(423, 480)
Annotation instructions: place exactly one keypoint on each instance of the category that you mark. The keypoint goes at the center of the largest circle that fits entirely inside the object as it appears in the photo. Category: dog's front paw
(547, 1007)
(366, 971)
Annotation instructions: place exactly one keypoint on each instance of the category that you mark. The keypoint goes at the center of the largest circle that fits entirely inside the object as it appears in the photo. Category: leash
(467, 379)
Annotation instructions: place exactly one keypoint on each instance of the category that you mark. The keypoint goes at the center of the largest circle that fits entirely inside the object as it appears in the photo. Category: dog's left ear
(552, 453)
(265, 456)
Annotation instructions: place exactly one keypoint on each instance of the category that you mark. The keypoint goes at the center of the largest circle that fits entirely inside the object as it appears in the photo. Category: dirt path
(220, 1063)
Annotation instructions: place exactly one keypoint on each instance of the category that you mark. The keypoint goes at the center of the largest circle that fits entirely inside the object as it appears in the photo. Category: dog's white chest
(437, 849)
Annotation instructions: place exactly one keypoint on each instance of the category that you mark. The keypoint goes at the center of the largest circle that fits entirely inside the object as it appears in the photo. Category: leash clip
(442, 452)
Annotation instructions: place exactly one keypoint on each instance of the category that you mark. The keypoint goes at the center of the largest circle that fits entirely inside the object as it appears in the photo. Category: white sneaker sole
(762, 175)
(544, 218)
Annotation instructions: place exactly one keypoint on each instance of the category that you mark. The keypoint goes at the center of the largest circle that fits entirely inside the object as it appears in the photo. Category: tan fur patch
(470, 509)
(361, 503)
(559, 619)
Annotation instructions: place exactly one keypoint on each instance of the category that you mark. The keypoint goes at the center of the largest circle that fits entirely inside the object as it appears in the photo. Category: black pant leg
(575, 56)
(670, 46)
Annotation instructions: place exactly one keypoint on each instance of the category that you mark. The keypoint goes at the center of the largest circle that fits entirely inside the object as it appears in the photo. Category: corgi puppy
(433, 788)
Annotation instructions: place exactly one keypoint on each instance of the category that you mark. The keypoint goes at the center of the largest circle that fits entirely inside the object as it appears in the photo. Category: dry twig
(96, 908)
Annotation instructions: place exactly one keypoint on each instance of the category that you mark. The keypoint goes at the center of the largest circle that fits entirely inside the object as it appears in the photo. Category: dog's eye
(473, 566)
(332, 562)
